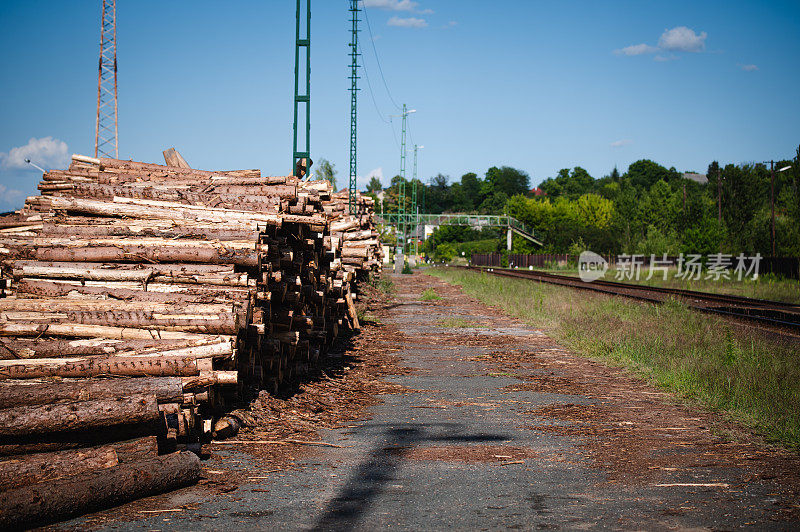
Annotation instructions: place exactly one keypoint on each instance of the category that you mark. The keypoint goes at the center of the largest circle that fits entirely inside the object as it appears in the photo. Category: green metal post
(302, 99)
(352, 191)
(402, 196)
(414, 209)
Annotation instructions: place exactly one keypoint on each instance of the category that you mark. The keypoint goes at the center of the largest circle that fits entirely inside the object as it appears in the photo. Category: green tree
(594, 211)
(569, 183)
(374, 185)
(327, 172)
(507, 180)
(644, 173)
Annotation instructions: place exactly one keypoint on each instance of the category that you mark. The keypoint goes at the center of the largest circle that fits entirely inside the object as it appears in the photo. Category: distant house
(697, 178)
(537, 192)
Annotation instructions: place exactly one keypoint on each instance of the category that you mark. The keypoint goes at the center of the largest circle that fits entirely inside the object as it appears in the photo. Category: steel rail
(694, 298)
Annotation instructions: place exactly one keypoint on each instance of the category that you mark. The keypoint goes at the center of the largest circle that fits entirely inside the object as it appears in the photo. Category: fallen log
(76, 416)
(49, 502)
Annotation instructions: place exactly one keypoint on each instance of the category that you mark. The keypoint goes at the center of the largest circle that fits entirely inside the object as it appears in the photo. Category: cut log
(173, 158)
(48, 502)
(132, 443)
(24, 348)
(20, 471)
(93, 331)
(27, 393)
(224, 323)
(77, 416)
(128, 366)
(351, 309)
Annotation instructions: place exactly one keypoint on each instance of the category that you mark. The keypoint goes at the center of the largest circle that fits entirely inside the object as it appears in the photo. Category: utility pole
(302, 43)
(352, 191)
(105, 133)
(772, 201)
(401, 207)
(414, 205)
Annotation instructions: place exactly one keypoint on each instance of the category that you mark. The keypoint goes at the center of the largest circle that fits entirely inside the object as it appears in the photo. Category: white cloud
(47, 151)
(409, 22)
(749, 68)
(678, 39)
(636, 49)
(377, 172)
(11, 197)
(682, 39)
(620, 143)
(392, 5)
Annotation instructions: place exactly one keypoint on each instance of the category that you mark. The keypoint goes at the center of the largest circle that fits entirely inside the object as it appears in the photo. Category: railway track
(773, 315)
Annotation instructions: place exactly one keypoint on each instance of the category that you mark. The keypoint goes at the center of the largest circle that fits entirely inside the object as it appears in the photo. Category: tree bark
(127, 366)
(77, 330)
(23, 421)
(25, 348)
(49, 502)
(26, 393)
(20, 471)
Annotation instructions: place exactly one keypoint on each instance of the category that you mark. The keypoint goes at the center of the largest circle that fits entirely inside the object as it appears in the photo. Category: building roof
(697, 178)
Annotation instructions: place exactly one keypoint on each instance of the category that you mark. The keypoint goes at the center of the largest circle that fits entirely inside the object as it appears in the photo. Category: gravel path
(500, 427)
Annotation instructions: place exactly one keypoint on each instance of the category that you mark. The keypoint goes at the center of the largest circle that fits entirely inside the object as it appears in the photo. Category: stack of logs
(146, 301)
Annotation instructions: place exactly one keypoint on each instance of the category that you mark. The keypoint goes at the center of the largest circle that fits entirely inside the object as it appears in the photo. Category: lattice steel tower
(303, 23)
(105, 136)
(414, 205)
(401, 204)
(353, 106)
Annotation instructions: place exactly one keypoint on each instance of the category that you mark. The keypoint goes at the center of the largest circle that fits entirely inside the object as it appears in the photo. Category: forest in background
(648, 209)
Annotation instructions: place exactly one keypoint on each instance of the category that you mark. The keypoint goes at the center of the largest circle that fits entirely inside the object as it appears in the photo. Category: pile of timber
(143, 302)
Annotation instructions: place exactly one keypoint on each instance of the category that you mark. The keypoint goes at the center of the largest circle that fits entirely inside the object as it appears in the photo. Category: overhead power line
(377, 60)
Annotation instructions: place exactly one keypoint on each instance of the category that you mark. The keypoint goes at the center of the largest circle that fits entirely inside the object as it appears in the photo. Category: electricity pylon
(414, 204)
(106, 142)
(353, 106)
(402, 219)
(302, 99)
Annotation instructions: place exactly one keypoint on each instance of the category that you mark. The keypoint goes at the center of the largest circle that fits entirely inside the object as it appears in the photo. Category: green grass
(754, 378)
(767, 286)
(430, 295)
(382, 284)
(457, 323)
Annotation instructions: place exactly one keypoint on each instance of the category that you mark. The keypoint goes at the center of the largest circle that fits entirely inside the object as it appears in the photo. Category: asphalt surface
(463, 451)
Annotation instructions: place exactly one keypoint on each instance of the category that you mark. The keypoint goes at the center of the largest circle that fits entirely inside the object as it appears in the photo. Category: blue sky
(538, 85)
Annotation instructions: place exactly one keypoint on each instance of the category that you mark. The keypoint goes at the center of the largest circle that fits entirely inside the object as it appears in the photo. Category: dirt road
(495, 426)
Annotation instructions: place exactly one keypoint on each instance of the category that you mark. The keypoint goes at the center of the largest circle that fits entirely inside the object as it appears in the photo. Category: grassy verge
(754, 378)
(765, 287)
